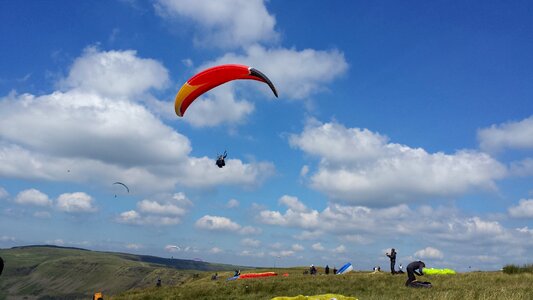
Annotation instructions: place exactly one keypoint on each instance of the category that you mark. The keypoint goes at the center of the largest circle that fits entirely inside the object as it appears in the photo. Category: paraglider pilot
(412, 270)
(220, 160)
(392, 257)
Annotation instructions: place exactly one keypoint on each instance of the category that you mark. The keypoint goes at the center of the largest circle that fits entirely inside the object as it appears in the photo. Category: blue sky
(405, 125)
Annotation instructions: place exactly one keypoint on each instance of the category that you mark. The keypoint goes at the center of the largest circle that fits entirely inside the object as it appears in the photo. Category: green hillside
(361, 285)
(50, 272)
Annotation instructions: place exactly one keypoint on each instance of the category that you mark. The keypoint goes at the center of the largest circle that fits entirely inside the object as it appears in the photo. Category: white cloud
(511, 135)
(248, 242)
(523, 210)
(340, 249)
(362, 167)
(232, 203)
(221, 24)
(33, 197)
(75, 202)
(296, 215)
(428, 252)
(318, 247)
(525, 230)
(217, 107)
(134, 218)
(164, 209)
(216, 223)
(156, 208)
(292, 203)
(296, 75)
(115, 74)
(105, 138)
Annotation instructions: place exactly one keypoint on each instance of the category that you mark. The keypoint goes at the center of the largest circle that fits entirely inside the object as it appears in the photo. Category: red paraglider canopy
(213, 77)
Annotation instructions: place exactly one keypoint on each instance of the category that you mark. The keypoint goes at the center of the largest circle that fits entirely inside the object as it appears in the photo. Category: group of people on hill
(313, 270)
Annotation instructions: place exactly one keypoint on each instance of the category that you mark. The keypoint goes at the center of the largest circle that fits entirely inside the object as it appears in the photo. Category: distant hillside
(53, 272)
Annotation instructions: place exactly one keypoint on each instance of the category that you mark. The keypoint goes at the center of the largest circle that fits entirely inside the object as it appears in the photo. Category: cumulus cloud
(221, 24)
(115, 74)
(163, 210)
(75, 203)
(429, 252)
(216, 223)
(340, 249)
(296, 74)
(510, 135)
(318, 247)
(100, 135)
(362, 167)
(33, 197)
(360, 225)
(292, 203)
(297, 214)
(523, 210)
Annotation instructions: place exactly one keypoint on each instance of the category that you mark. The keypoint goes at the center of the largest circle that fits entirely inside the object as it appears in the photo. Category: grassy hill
(51, 272)
(362, 285)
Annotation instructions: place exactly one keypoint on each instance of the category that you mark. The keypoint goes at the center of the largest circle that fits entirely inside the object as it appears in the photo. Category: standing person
(392, 257)
(334, 270)
(1, 265)
(327, 270)
(412, 270)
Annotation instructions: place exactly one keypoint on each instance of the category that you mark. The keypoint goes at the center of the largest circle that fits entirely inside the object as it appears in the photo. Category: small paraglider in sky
(120, 183)
(213, 77)
(220, 159)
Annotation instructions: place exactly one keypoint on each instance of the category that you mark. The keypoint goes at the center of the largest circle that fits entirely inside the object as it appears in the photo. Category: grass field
(362, 285)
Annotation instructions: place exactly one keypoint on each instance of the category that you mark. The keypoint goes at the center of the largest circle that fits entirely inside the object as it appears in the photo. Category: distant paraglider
(120, 183)
(220, 159)
(213, 77)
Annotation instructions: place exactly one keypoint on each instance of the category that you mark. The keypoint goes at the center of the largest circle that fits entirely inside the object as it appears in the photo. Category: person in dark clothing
(1, 265)
(312, 270)
(326, 270)
(334, 270)
(412, 270)
(220, 160)
(392, 257)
